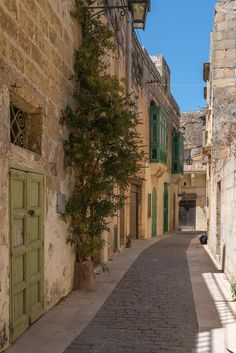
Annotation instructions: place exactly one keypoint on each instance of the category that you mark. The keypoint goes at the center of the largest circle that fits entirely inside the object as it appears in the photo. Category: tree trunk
(84, 275)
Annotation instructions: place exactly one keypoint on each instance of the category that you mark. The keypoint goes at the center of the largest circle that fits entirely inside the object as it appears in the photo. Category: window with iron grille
(18, 126)
(158, 136)
(25, 129)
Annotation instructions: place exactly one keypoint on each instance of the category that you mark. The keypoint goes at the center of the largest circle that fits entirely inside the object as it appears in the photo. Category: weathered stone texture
(147, 314)
(194, 181)
(221, 167)
(37, 45)
(192, 125)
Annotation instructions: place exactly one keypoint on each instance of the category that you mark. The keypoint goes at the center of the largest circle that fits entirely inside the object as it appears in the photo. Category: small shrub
(128, 238)
(233, 290)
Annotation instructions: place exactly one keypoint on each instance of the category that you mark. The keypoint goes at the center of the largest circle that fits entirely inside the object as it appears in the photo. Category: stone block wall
(37, 44)
(223, 71)
(223, 113)
(193, 127)
(195, 183)
(192, 124)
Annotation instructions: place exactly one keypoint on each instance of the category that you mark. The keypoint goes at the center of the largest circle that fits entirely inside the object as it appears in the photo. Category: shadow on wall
(3, 337)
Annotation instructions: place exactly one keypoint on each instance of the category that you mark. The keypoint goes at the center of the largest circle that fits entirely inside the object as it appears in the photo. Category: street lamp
(139, 10)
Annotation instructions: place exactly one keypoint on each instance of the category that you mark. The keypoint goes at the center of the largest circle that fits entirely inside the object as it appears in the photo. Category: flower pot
(128, 244)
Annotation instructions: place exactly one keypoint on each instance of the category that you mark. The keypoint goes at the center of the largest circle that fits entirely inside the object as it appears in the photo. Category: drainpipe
(128, 55)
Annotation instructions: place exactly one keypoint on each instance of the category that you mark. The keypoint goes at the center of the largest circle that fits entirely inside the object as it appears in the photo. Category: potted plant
(128, 241)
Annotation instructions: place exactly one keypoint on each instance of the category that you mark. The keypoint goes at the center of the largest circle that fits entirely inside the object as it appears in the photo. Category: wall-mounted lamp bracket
(104, 9)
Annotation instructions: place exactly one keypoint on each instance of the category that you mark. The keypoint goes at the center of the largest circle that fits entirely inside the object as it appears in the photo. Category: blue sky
(180, 30)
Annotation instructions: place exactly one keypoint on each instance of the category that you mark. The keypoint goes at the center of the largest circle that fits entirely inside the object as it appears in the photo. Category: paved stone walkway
(152, 308)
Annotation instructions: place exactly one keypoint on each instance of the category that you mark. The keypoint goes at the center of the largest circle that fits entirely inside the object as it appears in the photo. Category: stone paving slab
(151, 310)
(213, 300)
(148, 309)
(54, 331)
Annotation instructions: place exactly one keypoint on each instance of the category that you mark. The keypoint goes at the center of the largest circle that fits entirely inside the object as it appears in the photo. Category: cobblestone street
(163, 295)
(151, 310)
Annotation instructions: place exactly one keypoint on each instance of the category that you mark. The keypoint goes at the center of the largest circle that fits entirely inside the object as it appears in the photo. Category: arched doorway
(174, 211)
(154, 212)
(166, 208)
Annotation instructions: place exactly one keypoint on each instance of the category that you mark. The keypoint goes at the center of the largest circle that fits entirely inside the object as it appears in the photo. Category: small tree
(103, 144)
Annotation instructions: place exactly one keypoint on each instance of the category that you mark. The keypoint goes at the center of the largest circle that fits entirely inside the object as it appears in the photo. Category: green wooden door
(26, 213)
(166, 208)
(154, 212)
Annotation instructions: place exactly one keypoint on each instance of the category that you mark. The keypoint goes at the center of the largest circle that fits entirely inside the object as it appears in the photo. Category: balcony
(178, 154)
(158, 138)
(157, 169)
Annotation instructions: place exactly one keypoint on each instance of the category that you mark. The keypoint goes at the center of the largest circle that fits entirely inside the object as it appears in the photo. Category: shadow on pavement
(217, 340)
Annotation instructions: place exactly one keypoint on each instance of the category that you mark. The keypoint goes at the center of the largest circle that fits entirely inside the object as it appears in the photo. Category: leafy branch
(103, 145)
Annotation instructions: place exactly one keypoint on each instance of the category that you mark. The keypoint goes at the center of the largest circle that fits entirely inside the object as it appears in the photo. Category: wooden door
(26, 228)
(122, 226)
(166, 208)
(174, 211)
(134, 212)
(154, 212)
(187, 214)
(122, 223)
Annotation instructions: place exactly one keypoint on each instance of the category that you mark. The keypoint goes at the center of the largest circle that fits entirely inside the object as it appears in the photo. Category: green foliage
(128, 238)
(233, 290)
(89, 247)
(103, 144)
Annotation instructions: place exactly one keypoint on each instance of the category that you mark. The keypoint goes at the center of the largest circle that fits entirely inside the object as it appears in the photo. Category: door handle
(31, 212)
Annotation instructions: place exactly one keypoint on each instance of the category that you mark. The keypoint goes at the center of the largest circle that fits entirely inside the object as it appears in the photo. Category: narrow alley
(117, 153)
(159, 302)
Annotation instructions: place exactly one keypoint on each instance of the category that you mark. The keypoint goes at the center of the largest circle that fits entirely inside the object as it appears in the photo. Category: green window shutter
(178, 153)
(158, 136)
(154, 134)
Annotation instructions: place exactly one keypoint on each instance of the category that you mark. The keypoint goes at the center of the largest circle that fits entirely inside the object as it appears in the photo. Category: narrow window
(158, 135)
(177, 153)
(25, 128)
(18, 126)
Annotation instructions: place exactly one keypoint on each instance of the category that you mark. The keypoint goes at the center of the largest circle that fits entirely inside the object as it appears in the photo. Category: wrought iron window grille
(18, 126)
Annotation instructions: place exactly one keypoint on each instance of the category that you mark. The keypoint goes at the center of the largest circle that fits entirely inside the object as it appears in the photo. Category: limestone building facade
(37, 44)
(152, 205)
(220, 77)
(193, 203)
